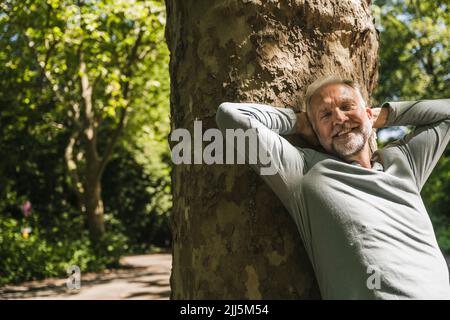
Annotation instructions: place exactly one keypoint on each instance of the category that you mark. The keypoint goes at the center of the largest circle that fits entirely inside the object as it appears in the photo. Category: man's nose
(339, 117)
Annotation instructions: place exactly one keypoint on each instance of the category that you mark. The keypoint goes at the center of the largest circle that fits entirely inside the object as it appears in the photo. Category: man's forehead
(325, 97)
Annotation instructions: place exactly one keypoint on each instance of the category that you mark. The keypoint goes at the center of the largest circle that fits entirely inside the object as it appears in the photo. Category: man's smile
(345, 132)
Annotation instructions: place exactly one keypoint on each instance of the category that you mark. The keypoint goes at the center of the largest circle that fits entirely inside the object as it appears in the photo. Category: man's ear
(369, 113)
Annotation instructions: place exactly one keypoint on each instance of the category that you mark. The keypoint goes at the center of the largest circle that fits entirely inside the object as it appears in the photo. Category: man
(359, 211)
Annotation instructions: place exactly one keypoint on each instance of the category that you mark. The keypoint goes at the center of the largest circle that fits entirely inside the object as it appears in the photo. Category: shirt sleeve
(427, 142)
(268, 123)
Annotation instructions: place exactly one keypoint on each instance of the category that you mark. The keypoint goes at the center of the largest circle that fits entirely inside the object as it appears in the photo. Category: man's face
(342, 125)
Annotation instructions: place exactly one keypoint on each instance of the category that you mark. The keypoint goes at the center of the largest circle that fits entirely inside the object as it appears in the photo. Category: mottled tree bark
(232, 238)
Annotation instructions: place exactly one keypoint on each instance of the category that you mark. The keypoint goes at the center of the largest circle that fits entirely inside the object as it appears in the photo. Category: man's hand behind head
(305, 130)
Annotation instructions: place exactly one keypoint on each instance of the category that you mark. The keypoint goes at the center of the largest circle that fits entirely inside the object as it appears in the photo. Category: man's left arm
(427, 142)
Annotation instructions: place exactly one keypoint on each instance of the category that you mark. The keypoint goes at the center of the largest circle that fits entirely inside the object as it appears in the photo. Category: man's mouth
(344, 131)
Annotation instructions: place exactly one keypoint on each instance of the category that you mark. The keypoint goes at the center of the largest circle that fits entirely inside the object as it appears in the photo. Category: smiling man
(340, 120)
(358, 210)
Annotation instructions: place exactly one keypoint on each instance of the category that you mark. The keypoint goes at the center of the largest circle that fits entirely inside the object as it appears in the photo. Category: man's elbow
(223, 115)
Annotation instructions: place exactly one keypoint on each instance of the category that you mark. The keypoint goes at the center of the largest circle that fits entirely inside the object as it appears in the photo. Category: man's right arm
(287, 160)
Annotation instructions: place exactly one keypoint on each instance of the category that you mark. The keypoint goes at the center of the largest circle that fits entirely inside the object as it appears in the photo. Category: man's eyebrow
(347, 100)
(324, 107)
(344, 100)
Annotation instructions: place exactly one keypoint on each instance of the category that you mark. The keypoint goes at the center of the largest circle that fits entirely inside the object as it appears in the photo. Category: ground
(139, 277)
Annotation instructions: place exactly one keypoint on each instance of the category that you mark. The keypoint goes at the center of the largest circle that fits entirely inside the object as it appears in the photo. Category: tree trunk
(232, 238)
(94, 210)
(92, 197)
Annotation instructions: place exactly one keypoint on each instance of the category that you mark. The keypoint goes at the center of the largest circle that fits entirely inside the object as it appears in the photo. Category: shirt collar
(375, 166)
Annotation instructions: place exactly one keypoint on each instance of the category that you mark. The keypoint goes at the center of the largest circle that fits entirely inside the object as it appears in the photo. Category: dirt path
(140, 277)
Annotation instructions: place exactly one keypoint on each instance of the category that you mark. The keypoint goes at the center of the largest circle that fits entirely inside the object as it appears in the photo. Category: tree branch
(132, 58)
(72, 169)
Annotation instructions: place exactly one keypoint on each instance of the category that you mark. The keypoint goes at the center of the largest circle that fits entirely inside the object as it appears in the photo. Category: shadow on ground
(139, 277)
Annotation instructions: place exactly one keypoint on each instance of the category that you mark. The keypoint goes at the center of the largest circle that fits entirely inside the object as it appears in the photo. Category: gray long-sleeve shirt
(366, 231)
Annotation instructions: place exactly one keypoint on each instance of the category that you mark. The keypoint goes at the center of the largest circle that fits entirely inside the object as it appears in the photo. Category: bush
(36, 257)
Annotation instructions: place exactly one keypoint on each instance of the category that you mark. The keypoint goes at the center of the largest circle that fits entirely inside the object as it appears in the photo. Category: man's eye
(346, 107)
(325, 115)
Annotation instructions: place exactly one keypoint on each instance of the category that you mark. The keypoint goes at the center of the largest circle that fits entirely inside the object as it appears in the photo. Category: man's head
(339, 116)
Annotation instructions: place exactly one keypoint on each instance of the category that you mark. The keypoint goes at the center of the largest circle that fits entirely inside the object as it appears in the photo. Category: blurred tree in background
(83, 127)
(415, 64)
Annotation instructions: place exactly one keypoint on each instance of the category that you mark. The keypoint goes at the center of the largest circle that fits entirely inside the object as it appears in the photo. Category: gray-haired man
(358, 210)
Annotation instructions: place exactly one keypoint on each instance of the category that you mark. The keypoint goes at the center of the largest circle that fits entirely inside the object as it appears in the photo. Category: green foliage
(415, 49)
(42, 45)
(141, 200)
(38, 256)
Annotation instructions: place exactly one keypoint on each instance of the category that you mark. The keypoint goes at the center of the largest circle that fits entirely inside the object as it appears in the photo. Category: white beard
(353, 142)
